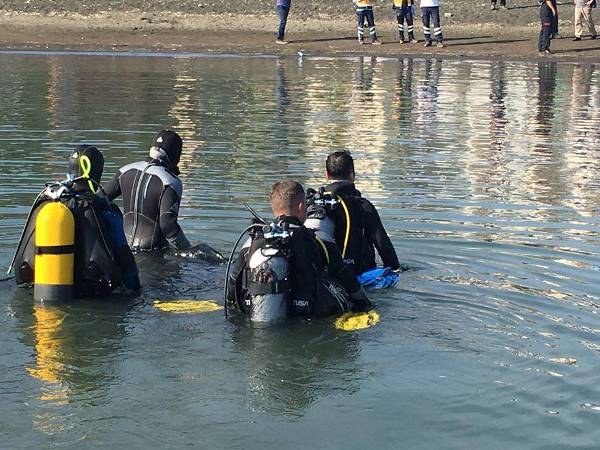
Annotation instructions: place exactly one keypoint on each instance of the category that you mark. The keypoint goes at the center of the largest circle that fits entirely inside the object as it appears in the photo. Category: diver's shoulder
(138, 165)
(167, 177)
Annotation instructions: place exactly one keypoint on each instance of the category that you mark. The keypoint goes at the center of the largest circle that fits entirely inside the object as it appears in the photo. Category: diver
(73, 242)
(284, 270)
(342, 215)
(151, 193)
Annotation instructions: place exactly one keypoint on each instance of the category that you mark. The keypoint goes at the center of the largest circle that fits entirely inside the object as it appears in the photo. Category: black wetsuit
(310, 264)
(151, 196)
(103, 260)
(366, 230)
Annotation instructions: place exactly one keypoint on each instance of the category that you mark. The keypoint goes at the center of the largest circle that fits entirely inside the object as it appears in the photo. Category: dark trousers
(401, 15)
(554, 27)
(283, 15)
(502, 2)
(360, 21)
(547, 22)
(431, 14)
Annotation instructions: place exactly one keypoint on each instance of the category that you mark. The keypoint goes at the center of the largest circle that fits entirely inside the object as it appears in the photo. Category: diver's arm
(169, 212)
(380, 238)
(234, 282)
(123, 255)
(345, 275)
(112, 189)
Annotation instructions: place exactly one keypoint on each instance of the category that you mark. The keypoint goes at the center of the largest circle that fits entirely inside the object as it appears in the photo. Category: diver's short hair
(340, 165)
(286, 194)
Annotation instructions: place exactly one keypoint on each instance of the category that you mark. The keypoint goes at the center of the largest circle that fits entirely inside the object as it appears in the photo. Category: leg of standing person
(283, 12)
(437, 27)
(554, 33)
(546, 30)
(578, 24)
(410, 25)
(587, 16)
(371, 23)
(503, 4)
(426, 14)
(492, 4)
(400, 20)
(360, 22)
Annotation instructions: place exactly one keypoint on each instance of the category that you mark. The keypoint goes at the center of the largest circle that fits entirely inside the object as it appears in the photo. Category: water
(485, 175)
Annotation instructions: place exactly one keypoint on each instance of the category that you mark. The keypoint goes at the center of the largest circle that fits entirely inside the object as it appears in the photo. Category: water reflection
(485, 174)
(73, 358)
(290, 368)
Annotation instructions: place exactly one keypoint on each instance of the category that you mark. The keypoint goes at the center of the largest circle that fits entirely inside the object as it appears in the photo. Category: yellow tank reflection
(49, 367)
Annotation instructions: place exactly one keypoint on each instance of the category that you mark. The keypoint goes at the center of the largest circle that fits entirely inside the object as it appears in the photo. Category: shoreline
(135, 31)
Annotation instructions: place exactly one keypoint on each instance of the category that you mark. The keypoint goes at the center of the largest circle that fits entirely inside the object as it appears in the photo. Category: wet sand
(312, 34)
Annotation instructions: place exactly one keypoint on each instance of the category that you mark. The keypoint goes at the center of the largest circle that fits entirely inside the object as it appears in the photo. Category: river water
(485, 175)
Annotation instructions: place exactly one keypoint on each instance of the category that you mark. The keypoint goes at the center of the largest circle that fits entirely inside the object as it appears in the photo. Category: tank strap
(273, 287)
(324, 248)
(55, 250)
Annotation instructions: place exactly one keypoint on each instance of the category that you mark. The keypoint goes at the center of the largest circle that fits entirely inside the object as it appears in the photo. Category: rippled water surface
(486, 177)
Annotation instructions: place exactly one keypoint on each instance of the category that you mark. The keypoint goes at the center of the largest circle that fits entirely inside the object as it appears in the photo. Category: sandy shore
(313, 34)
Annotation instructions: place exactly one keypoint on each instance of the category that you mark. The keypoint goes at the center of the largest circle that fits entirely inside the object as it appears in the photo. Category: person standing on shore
(405, 9)
(430, 10)
(283, 9)
(364, 10)
(547, 14)
(583, 13)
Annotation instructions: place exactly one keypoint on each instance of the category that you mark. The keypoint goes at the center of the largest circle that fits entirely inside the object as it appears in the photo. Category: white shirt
(429, 3)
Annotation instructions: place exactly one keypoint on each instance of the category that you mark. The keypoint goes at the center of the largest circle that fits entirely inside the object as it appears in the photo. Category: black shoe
(576, 39)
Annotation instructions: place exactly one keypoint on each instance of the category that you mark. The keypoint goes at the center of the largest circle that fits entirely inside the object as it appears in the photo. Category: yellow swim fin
(357, 321)
(187, 306)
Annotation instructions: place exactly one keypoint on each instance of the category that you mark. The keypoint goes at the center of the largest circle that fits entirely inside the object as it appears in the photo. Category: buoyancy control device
(265, 280)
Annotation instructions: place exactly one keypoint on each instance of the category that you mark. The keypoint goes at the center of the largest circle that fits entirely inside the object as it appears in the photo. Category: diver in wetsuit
(151, 193)
(357, 227)
(102, 259)
(304, 274)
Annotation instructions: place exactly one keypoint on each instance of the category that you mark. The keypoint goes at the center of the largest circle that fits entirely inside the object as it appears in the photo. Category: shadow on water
(577, 50)
(332, 39)
(468, 38)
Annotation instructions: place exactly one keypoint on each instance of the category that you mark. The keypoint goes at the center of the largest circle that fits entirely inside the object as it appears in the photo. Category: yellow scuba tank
(54, 253)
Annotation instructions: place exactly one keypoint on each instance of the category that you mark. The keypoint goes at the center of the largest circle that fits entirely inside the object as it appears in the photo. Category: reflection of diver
(73, 344)
(74, 237)
(291, 367)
